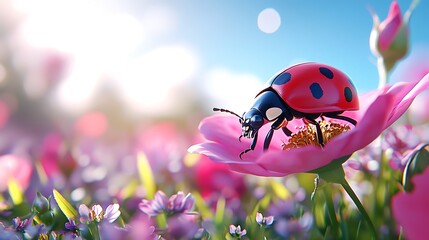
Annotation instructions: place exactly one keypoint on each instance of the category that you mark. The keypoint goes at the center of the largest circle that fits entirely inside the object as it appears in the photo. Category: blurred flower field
(95, 163)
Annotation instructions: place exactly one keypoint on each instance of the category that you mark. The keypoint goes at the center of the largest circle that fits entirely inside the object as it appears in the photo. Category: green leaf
(201, 205)
(220, 211)
(280, 189)
(260, 205)
(65, 206)
(146, 175)
(418, 162)
(15, 192)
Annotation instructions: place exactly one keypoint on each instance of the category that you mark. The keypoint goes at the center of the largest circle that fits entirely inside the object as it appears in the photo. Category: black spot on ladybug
(326, 72)
(316, 90)
(282, 78)
(348, 94)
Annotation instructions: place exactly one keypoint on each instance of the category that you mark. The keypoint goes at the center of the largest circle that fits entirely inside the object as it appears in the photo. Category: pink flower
(163, 144)
(55, 159)
(216, 180)
(411, 209)
(384, 34)
(378, 110)
(15, 168)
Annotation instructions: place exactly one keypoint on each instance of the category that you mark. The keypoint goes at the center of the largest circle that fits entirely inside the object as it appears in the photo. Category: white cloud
(153, 82)
(103, 45)
(231, 90)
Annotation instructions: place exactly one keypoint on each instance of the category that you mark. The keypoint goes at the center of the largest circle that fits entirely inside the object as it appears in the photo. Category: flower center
(307, 134)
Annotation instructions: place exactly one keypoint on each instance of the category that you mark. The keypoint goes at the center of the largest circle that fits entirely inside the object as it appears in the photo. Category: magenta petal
(220, 128)
(390, 27)
(405, 101)
(312, 157)
(411, 209)
(220, 153)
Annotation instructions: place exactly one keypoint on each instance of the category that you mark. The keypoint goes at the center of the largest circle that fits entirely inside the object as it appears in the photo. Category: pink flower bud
(389, 39)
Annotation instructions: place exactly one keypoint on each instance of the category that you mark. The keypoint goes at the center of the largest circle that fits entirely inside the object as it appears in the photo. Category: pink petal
(411, 209)
(269, 220)
(220, 153)
(405, 102)
(97, 209)
(312, 157)
(17, 168)
(259, 217)
(390, 26)
(188, 202)
(112, 212)
(160, 201)
(84, 212)
(232, 229)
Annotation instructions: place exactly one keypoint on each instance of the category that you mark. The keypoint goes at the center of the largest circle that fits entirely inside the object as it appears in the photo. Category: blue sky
(334, 32)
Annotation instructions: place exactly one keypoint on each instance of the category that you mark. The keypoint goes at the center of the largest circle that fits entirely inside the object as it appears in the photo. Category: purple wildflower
(112, 213)
(264, 221)
(19, 224)
(177, 203)
(155, 206)
(400, 142)
(182, 227)
(97, 214)
(180, 203)
(7, 233)
(71, 225)
(237, 231)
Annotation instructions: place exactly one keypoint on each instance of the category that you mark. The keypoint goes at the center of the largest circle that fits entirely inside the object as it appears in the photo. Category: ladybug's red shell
(315, 88)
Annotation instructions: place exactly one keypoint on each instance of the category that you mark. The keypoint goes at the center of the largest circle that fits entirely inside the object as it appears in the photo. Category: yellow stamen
(307, 134)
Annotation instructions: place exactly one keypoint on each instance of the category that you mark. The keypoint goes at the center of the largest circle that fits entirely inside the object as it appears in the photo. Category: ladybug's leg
(318, 130)
(336, 116)
(276, 125)
(252, 145)
(287, 131)
(268, 139)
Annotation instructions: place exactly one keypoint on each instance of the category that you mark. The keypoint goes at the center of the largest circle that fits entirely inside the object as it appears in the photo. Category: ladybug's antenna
(227, 111)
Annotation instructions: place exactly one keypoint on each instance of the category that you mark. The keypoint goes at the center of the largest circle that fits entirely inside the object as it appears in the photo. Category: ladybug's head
(251, 122)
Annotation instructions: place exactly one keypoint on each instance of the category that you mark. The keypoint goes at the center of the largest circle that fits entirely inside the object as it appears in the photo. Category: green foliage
(68, 210)
(417, 163)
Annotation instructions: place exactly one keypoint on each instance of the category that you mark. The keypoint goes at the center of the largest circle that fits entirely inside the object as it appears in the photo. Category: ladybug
(307, 91)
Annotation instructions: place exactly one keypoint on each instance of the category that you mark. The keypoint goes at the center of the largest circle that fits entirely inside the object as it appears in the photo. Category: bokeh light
(269, 20)
(92, 125)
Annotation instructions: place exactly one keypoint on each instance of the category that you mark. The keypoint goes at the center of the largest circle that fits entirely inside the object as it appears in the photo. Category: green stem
(382, 73)
(334, 173)
(93, 229)
(331, 209)
(359, 205)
